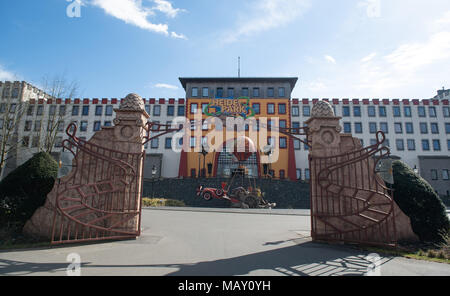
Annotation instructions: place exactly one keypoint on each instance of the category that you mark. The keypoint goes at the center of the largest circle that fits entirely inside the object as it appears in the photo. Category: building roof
(292, 80)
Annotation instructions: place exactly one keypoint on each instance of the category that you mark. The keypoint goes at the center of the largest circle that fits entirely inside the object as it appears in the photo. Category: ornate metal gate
(349, 201)
(99, 200)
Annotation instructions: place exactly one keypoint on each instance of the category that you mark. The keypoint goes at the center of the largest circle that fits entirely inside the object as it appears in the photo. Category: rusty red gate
(349, 201)
(98, 200)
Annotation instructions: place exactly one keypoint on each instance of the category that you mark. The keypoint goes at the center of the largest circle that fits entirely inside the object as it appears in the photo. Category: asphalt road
(213, 242)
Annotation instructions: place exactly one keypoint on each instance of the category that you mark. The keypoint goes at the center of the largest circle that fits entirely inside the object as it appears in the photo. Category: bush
(25, 189)
(417, 199)
(162, 202)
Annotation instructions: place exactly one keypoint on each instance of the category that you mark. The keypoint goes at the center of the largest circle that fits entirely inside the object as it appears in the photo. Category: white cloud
(330, 59)
(6, 75)
(178, 36)
(267, 14)
(166, 86)
(167, 8)
(369, 57)
(134, 13)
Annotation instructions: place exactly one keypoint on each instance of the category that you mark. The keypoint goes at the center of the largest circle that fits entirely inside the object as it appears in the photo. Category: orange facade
(277, 109)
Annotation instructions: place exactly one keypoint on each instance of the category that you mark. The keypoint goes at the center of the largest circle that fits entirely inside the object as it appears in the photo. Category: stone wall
(287, 194)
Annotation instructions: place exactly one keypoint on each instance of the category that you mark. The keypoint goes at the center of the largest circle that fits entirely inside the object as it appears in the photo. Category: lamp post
(154, 171)
(203, 171)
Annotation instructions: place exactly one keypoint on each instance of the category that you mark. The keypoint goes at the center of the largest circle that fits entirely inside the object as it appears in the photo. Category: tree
(418, 200)
(57, 87)
(11, 112)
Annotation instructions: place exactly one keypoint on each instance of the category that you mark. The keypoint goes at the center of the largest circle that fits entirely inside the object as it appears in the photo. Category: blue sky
(338, 49)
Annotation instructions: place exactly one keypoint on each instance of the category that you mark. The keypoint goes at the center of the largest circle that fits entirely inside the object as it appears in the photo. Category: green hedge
(418, 200)
(25, 189)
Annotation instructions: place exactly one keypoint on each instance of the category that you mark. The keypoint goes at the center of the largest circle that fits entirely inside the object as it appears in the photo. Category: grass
(161, 202)
(428, 252)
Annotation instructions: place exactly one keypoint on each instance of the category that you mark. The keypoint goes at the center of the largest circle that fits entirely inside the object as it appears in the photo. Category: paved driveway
(212, 242)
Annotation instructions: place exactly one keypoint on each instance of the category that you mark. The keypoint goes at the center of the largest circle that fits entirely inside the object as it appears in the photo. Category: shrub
(162, 202)
(417, 199)
(25, 189)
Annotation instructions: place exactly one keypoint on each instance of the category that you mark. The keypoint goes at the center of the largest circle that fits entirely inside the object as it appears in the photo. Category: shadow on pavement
(299, 260)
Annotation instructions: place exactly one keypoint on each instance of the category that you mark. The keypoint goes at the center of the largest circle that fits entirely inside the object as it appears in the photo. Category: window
(283, 143)
(434, 128)
(270, 108)
(157, 110)
(195, 91)
(282, 174)
(347, 127)
(30, 110)
(147, 109)
(84, 126)
(423, 128)
(446, 111)
(445, 175)
(40, 110)
(358, 128)
(297, 144)
(98, 110)
(192, 142)
(168, 143)
(382, 111)
(432, 111)
(448, 145)
(421, 111)
(230, 92)
(245, 92)
(97, 126)
(411, 144)
(154, 144)
(409, 128)
(204, 105)
(306, 147)
(52, 110)
(398, 128)
(108, 123)
(256, 92)
(270, 92)
(307, 176)
(299, 174)
(15, 93)
(60, 126)
(205, 92)
(194, 107)
(357, 111)
(180, 111)
(3, 108)
(35, 142)
(407, 111)
(257, 108)
(205, 125)
(346, 111)
(400, 144)
(296, 124)
(26, 141)
(62, 110)
(58, 142)
(283, 124)
(437, 145)
(170, 110)
(2, 123)
(373, 127)
(447, 128)
(425, 145)
(27, 128)
(306, 111)
(109, 110)
(281, 92)
(219, 92)
(386, 143)
(396, 111)
(434, 175)
(85, 111)
(384, 127)
(295, 111)
(371, 111)
(282, 108)
(37, 126)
